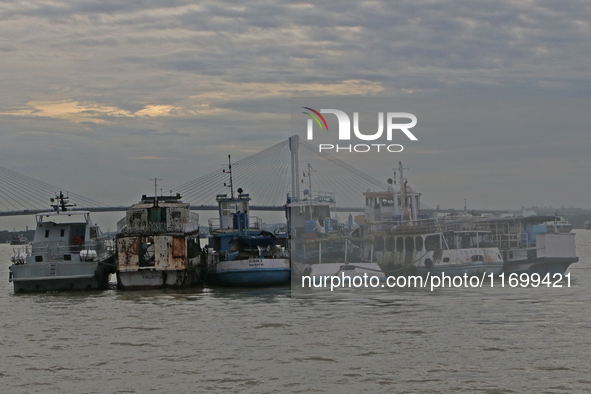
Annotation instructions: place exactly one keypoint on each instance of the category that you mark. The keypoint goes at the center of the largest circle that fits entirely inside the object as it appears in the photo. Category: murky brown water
(263, 341)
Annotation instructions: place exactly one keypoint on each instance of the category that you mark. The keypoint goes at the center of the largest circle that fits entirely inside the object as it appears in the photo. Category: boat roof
(62, 213)
(524, 219)
(160, 205)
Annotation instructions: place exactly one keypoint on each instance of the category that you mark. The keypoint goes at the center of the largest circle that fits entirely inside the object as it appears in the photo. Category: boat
(318, 246)
(158, 245)
(19, 240)
(558, 225)
(528, 247)
(239, 252)
(68, 252)
(407, 242)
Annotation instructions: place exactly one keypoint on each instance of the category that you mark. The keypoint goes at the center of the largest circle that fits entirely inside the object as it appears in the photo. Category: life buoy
(77, 241)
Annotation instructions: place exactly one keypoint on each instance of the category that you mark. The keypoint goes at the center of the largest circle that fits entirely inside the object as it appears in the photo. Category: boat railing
(431, 225)
(507, 241)
(52, 250)
(254, 222)
(160, 227)
(311, 197)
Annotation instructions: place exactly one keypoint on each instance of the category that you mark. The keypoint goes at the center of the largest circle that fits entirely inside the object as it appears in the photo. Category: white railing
(314, 196)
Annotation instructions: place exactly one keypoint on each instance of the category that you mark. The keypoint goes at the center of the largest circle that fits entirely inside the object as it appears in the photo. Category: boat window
(466, 241)
(93, 232)
(379, 244)
(446, 259)
(477, 257)
(387, 202)
(432, 242)
(62, 232)
(399, 244)
(46, 233)
(390, 244)
(409, 244)
(146, 254)
(419, 243)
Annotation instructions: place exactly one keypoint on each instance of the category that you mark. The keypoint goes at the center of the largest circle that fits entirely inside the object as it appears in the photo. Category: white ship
(405, 242)
(68, 252)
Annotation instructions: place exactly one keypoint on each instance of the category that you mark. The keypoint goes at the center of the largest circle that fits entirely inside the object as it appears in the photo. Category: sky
(100, 96)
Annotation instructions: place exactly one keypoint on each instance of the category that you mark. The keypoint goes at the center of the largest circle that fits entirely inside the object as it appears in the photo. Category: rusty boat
(158, 245)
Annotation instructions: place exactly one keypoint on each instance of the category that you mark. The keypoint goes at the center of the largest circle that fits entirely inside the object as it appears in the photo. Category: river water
(486, 340)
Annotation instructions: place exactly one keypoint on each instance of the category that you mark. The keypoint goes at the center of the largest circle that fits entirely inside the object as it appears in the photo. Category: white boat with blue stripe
(239, 254)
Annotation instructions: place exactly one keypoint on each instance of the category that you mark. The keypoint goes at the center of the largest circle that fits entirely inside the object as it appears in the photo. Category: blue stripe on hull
(250, 277)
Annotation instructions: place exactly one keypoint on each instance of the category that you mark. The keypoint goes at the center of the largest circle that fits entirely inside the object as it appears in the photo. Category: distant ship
(19, 240)
(558, 225)
(158, 245)
(68, 252)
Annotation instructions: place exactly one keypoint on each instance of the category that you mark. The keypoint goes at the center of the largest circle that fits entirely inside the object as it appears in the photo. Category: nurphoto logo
(392, 124)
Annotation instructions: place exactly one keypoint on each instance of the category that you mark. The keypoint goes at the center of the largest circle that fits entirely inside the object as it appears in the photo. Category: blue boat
(239, 254)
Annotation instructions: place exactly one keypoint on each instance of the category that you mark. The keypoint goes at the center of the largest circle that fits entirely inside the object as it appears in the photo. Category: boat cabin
(60, 234)
(310, 212)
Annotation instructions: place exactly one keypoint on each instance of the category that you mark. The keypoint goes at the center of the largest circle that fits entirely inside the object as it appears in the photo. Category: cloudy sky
(100, 96)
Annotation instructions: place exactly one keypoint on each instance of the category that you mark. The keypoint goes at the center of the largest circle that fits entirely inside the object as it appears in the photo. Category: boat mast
(404, 205)
(155, 190)
(230, 172)
(62, 202)
(310, 171)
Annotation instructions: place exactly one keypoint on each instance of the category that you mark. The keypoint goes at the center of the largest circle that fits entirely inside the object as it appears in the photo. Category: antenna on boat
(229, 172)
(155, 190)
(309, 172)
(62, 202)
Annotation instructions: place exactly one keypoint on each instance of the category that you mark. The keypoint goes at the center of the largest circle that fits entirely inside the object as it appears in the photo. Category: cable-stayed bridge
(266, 176)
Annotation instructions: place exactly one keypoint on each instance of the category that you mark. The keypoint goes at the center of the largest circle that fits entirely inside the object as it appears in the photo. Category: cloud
(161, 79)
(70, 110)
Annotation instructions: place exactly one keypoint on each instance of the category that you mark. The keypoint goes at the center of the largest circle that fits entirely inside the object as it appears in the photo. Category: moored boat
(158, 245)
(19, 240)
(239, 254)
(528, 247)
(318, 246)
(68, 252)
(404, 241)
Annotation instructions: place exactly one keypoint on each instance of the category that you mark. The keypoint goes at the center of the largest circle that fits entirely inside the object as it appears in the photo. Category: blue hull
(250, 277)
